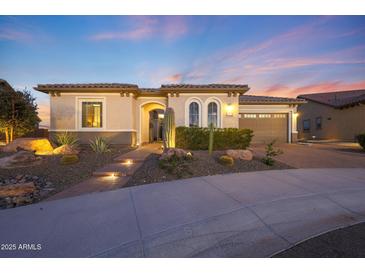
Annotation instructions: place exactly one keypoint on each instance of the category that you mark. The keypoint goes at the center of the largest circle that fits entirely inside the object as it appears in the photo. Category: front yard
(50, 176)
(201, 164)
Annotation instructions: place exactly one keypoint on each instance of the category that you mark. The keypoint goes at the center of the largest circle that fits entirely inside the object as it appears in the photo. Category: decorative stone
(240, 154)
(65, 150)
(21, 158)
(41, 146)
(16, 190)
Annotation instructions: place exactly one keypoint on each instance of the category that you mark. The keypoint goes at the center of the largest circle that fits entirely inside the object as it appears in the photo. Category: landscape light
(128, 162)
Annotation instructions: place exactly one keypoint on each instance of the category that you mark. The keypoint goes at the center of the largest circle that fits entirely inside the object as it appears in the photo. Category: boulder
(240, 154)
(65, 150)
(21, 158)
(17, 190)
(41, 146)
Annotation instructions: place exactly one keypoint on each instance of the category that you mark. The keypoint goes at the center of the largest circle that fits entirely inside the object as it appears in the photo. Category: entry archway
(150, 120)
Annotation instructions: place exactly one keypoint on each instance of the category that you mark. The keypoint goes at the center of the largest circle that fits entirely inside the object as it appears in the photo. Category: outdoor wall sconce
(229, 110)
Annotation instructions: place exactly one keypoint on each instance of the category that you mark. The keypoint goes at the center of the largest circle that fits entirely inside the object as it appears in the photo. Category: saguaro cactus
(211, 138)
(168, 133)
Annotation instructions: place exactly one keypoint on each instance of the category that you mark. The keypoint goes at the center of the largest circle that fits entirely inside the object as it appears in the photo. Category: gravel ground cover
(59, 176)
(202, 165)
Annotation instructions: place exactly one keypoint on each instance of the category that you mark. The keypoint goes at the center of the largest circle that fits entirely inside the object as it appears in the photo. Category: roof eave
(272, 103)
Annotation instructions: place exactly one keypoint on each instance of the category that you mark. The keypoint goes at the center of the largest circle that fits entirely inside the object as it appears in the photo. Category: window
(249, 116)
(213, 114)
(194, 114)
(92, 114)
(264, 115)
(319, 123)
(307, 125)
(280, 116)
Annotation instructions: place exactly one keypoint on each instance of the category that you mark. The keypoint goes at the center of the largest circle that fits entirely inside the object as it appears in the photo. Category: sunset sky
(274, 55)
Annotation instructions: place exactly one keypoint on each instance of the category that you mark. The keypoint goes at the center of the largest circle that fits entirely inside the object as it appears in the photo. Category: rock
(16, 190)
(21, 200)
(22, 158)
(65, 150)
(241, 154)
(41, 146)
(180, 153)
(18, 177)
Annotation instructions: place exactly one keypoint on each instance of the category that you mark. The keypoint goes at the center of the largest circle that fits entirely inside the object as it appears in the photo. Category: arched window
(213, 114)
(194, 114)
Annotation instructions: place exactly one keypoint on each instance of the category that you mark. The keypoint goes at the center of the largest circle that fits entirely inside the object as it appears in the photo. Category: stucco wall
(66, 111)
(180, 106)
(342, 124)
(62, 112)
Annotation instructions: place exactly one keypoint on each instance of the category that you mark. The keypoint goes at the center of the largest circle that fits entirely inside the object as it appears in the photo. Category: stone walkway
(252, 214)
(111, 176)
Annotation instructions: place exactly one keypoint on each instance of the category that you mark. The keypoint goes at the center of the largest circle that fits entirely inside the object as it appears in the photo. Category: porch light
(161, 115)
(229, 110)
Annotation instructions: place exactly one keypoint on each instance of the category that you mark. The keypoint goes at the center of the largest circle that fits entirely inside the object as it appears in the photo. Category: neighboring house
(332, 115)
(127, 114)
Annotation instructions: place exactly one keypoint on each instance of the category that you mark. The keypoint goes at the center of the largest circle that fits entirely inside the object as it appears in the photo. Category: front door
(155, 125)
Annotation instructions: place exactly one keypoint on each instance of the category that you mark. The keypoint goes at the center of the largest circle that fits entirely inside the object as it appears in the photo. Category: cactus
(211, 138)
(168, 133)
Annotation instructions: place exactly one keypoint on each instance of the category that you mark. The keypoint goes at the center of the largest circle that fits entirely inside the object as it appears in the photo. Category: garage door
(266, 126)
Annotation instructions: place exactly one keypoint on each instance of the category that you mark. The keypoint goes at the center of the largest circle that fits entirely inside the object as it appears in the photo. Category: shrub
(99, 145)
(69, 159)
(195, 138)
(176, 165)
(271, 153)
(226, 160)
(361, 140)
(66, 138)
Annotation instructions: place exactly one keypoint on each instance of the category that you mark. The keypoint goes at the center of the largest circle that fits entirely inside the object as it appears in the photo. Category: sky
(274, 55)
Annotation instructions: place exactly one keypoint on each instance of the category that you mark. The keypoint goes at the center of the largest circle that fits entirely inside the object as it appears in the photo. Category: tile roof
(253, 99)
(338, 99)
(218, 86)
(88, 85)
(149, 89)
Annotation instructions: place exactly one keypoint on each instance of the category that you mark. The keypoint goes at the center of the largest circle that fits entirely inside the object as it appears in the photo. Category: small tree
(18, 113)
(271, 153)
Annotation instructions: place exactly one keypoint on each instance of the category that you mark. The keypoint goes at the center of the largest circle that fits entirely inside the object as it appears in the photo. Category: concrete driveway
(252, 214)
(318, 155)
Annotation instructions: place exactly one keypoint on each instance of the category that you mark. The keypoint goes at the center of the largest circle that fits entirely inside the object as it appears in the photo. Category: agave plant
(66, 138)
(99, 145)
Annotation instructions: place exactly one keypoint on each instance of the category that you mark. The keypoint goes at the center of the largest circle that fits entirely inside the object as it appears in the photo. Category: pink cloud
(145, 27)
(176, 78)
(283, 90)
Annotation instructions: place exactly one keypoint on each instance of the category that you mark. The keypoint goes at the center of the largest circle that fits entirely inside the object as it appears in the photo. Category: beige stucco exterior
(339, 124)
(126, 116)
(181, 105)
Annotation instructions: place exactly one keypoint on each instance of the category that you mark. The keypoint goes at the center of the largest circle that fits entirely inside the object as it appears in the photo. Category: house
(332, 115)
(127, 114)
